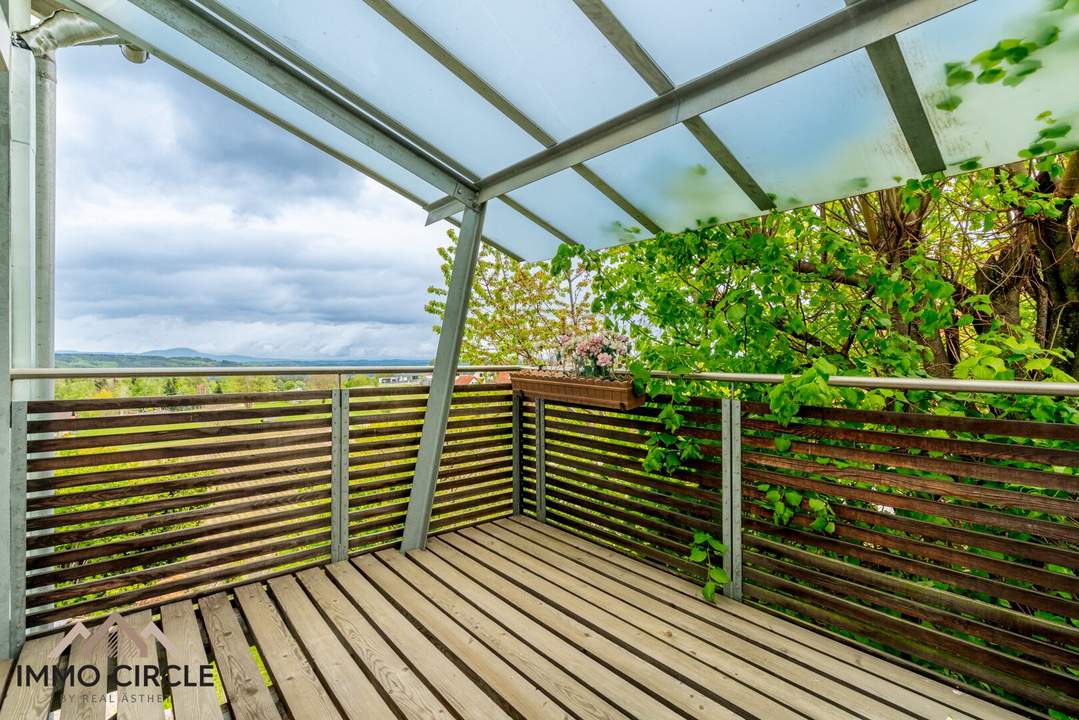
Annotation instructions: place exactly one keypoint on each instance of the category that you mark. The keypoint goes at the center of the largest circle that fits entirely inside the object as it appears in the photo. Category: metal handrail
(1012, 387)
(239, 371)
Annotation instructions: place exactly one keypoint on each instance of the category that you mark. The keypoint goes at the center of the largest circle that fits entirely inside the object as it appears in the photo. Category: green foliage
(708, 552)
(785, 502)
(518, 312)
(830, 290)
(1009, 62)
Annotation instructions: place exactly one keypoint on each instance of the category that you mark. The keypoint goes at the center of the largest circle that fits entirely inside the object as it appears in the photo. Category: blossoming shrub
(594, 356)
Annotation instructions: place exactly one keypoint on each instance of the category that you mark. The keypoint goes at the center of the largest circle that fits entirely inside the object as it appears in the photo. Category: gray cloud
(186, 220)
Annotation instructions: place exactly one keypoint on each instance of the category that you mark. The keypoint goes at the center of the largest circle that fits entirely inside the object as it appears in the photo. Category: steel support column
(541, 460)
(16, 540)
(734, 519)
(23, 168)
(731, 511)
(45, 224)
(16, 250)
(339, 420)
(454, 316)
(518, 446)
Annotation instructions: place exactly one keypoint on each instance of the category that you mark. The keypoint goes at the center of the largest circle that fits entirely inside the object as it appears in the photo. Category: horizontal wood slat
(956, 535)
(144, 499)
(954, 539)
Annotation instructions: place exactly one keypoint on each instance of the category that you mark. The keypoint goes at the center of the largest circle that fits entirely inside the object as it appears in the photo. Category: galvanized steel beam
(733, 520)
(638, 58)
(844, 31)
(894, 75)
(45, 223)
(482, 88)
(339, 420)
(422, 497)
(16, 634)
(189, 21)
(518, 447)
(541, 460)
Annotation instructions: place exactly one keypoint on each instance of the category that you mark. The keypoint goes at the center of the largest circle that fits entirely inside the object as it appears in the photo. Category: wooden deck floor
(510, 619)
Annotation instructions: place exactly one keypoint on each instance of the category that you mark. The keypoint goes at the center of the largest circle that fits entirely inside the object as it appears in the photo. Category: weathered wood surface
(513, 619)
(959, 532)
(160, 498)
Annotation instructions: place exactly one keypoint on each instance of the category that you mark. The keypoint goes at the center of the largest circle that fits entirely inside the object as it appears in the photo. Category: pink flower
(603, 359)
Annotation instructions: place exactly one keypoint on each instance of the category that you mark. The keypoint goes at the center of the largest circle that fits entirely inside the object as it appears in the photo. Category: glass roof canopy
(604, 121)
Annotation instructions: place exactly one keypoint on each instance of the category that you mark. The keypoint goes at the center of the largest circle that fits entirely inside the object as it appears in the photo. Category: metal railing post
(517, 432)
(339, 475)
(727, 499)
(735, 521)
(16, 595)
(541, 461)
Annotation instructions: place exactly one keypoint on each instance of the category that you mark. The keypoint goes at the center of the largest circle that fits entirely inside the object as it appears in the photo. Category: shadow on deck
(503, 620)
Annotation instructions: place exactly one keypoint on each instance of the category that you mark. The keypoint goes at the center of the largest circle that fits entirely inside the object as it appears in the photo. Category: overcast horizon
(186, 220)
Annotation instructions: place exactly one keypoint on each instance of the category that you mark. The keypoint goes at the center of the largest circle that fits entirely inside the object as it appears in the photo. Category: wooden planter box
(561, 387)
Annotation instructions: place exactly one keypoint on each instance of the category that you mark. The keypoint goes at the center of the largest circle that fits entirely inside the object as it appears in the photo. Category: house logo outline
(142, 641)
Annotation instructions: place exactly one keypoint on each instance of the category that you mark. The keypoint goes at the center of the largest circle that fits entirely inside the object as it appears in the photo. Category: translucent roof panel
(510, 230)
(546, 58)
(671, 178)
(826, 133)
(354, 45)
(202, 62)
(992, 122)
(688, 39)
(577, 209)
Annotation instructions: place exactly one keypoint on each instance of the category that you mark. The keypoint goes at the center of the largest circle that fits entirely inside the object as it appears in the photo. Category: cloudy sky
(185, 220)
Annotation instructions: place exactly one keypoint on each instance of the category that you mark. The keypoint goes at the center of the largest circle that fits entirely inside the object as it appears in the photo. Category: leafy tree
(517, 310)
(970, 277)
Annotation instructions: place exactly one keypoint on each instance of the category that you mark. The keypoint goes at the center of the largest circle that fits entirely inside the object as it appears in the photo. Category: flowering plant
(594, 356)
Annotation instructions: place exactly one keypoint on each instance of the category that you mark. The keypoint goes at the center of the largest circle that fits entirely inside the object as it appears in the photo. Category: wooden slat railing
(596, 485)
(955, 542)
(135, 501)
(475, 478)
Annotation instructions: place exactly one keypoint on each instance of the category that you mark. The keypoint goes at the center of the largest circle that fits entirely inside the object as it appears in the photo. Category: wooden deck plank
(405, 689)
(249, 698)
(887, 681)
(508, 618)
(575, 646)
(29, 701)
(611, 622)
(87, 702)
(181, 626)
(509, 665)
(786, 680)
(717, 667)
(467, 699)
(355, 693)
(300, 689)
(137, 701)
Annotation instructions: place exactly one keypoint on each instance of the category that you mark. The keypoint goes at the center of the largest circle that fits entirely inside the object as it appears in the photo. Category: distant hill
(183, 352)
(186, 357)
(125, 360)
